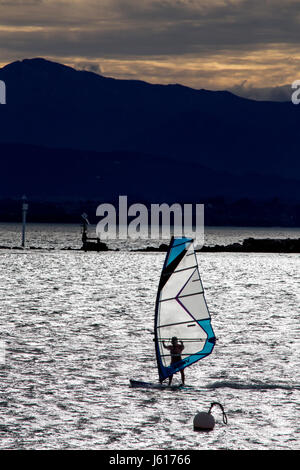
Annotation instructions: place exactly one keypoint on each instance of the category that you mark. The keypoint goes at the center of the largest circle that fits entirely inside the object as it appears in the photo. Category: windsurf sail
(181, 310)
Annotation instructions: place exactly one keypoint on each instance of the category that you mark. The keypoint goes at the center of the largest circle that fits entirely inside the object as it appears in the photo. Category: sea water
(64, 236)
(77, 326)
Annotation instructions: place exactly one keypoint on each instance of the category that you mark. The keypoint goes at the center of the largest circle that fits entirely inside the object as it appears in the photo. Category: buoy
(205, 421)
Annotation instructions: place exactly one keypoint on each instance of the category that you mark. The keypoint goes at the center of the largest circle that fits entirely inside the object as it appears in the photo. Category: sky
(251, 47)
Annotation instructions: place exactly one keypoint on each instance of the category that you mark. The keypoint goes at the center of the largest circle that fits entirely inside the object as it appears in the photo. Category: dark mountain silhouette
(59, 174)
(62, 183)
(53, 105)
(68, 135)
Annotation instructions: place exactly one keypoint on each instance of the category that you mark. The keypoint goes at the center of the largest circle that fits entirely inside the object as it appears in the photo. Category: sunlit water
(62, 236)
(77, 326)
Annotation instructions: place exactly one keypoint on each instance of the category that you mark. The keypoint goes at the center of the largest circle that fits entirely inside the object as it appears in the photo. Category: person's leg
(182, 376)
(170, 379)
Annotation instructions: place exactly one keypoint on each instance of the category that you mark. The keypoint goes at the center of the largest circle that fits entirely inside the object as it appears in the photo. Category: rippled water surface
(58, 236)
(77, 326)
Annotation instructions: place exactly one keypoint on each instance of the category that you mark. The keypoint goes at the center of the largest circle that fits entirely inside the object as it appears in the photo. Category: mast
(157, 352)
(24, 213)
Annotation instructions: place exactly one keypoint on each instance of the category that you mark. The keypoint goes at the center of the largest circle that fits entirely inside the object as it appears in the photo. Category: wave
(252, 386)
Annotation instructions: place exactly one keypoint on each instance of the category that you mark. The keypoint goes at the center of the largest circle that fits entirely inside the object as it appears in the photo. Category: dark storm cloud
(158, 27)
(242, 36)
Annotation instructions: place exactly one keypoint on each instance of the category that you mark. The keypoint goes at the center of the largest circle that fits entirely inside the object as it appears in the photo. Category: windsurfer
(175, 349)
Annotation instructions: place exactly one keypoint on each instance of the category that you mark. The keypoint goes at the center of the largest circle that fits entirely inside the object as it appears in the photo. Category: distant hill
(67, 174)
(51, 105)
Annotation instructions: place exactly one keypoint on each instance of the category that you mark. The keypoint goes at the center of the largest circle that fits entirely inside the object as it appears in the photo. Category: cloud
(202, 43)
(89, 66)
(280, 93)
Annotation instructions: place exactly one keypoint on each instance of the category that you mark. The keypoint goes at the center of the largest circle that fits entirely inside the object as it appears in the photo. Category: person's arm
(166, 347)
(182, 346)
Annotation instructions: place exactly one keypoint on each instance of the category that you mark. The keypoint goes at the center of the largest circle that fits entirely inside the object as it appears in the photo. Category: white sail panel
(193, 286)
(171, 312)
(189, 260)
(179, 278)
(195, 305)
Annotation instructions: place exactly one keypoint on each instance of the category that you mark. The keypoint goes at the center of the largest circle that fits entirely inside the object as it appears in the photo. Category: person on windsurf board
(175, 349)
(180, 301)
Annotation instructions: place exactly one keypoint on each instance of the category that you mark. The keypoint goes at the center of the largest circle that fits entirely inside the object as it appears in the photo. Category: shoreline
(249, 245)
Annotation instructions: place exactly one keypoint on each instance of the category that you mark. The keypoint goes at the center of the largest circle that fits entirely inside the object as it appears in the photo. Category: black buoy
(205, 421)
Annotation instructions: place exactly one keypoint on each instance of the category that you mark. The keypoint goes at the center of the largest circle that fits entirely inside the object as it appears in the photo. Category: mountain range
(70, 134)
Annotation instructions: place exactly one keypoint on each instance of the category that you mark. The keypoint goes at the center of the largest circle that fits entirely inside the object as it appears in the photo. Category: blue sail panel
(178, 246)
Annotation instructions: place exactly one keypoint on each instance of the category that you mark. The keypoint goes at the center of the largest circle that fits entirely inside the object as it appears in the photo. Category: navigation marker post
(24, 213)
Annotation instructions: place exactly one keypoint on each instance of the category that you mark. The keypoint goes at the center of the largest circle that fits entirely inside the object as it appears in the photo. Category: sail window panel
(188, 261)
(175, 284)
(195, 306)
(188, 333)
(171, 312)
(192, 345)
(193, 286)
(193, 348)
(192, 336)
